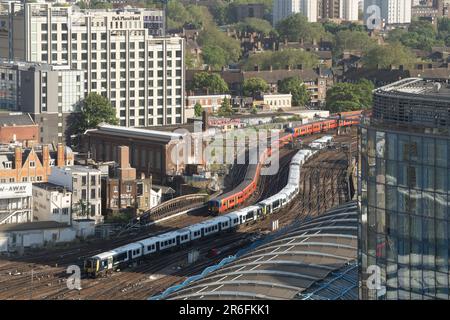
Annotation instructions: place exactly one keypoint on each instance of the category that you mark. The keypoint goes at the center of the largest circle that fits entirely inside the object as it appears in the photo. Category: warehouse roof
(154, 135)
(16, 119)
(287, 266)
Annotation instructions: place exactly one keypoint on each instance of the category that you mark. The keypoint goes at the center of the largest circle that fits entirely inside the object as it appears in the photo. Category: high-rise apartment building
(50, 93)
(120, 52)
(285, 8)
(391, 11)
(346, 10)
(404, 193)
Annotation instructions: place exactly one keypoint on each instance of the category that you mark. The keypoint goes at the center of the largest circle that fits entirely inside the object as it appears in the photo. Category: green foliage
(198, 109)
(214, 56)
(349, 97)
(253, 86)
(297, 27)
(225, 108)
(280, 59)
(95, 109)
(334, 28)
(352, 40)
(260, 26)
(212, 83)
(212, 36)
(392, 54)
(421, 35)
(192, 61)
(179, 15)
(296, 87)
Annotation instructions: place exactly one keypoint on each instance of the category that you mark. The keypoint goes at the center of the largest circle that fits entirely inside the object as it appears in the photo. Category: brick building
(151, 150)
(18, 127)
(31, 164)
(121, 189)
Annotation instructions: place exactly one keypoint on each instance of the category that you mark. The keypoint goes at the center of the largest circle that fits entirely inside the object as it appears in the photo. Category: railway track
(150, 278)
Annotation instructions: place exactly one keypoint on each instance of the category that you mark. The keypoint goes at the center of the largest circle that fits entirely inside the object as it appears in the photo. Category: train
(126, 255)
(244, 190)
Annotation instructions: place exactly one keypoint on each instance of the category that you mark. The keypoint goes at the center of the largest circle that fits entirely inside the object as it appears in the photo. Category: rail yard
(38, 274)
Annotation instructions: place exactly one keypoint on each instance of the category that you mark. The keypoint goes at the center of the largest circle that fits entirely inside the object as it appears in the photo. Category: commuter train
(242, 192)
(125, 255)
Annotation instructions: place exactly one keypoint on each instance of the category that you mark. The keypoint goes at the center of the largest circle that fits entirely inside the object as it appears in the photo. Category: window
(93, 180)
(93, 194)
(129, 188)
(55, 211)
(65, 211)
(83, 194)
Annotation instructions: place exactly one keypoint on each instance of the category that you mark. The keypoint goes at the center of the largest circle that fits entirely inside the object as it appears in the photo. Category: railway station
(304, 262)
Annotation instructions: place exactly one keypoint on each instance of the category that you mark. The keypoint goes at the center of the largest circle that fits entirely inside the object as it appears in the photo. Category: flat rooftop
(418, 86)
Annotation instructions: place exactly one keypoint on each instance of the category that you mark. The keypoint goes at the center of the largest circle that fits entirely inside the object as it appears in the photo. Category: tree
(392, 54)
(296, 27)
(352, 40)
(254, 86)
(212, 83)
(280, 59)
(349, 97)
(95, 109)
(212, 36)
(214, 56)
(263, 27)
(198, 109)
(225, 108)
(296, 87)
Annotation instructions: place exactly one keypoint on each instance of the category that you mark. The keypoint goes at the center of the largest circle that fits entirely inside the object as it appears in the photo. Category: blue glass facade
(405, 213)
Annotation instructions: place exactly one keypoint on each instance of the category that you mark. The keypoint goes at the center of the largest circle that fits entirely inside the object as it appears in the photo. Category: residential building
(52, 203)
(49, 93)
(348, 10)
(285, 8)
(393, 12)
(210, 103)
(142, 75)
(121, 189)
(17, 127)
(403, 192)
(85, 185)
(33, 164)
(277, 101)
(16, 204)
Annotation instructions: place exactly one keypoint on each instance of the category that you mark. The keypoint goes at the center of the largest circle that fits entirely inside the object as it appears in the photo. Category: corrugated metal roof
(289, 265)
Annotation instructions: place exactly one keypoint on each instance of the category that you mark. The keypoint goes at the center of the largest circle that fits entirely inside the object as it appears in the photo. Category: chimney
(391, 67)
(18, 157)
(270, 68)
(45, 156)
(124, 157)
(256, 67)
(285, 41)
(60, 155)
(288, 67)
(125, 171)
(204, 121)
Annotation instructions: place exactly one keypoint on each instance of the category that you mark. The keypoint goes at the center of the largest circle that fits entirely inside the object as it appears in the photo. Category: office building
(404, 192)
(49, 93)
(346, 10)
(122, 58)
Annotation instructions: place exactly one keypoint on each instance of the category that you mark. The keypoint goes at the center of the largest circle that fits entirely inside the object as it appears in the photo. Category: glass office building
(404, 193)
